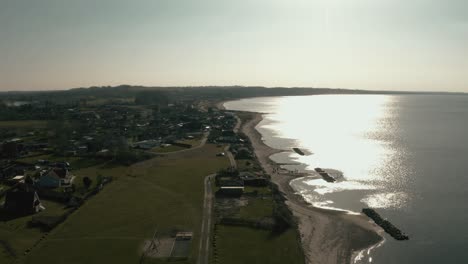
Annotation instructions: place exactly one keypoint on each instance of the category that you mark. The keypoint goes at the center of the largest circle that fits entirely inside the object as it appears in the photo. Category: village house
(55, 177)
(147, 144)
(253, 180)
(23, 201)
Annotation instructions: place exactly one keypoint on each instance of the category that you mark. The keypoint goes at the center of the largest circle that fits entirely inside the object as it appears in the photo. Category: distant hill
(182, 93)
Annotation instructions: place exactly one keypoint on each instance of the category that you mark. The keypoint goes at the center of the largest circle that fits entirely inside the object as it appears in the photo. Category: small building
(232, 191)
(82, 149)
(55, 177)
(227, 139)
(23, 202)
(147, 144)
(228, 133)
(103, 153)
(184, 235)
(253, 180)
(18, 178)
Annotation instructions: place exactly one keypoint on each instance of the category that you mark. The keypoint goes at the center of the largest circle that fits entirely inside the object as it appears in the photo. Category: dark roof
(19, 200)
(60, 172)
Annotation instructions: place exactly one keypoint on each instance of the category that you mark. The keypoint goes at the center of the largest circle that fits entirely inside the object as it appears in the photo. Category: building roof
(62, 173)
(20, 200)
(18, 178)
(231, 187)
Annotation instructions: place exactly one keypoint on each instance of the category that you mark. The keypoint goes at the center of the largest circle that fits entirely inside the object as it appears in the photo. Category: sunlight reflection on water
(344, 132)
(402, 154)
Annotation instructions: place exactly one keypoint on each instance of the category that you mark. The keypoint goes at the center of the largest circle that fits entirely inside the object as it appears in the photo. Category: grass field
(163, 193)
(257, 208)
(171, 148)
(16, 235)
(244, 164)
(246, 245)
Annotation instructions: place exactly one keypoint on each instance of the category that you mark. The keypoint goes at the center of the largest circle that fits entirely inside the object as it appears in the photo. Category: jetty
(386, 225)
(325, 175)
(299, 151)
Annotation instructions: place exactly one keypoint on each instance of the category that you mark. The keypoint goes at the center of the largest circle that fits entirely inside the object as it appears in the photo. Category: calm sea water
(405, 155)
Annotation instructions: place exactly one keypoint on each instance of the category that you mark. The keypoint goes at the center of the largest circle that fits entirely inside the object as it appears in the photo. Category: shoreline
(327, 236)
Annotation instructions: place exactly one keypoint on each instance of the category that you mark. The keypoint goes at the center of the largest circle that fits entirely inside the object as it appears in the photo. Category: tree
(28, 180)
(87, 182)
(152, 98)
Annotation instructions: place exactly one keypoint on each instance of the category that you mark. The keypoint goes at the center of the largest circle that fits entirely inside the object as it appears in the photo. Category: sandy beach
(327, 236)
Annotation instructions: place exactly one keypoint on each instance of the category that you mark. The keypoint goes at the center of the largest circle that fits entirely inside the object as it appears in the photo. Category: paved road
(204, 247)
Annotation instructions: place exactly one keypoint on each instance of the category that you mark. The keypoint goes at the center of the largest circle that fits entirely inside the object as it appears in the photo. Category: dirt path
(231, 158)
(204, 248)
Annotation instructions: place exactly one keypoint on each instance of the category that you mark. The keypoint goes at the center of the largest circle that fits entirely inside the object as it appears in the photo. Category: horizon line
(235, 86)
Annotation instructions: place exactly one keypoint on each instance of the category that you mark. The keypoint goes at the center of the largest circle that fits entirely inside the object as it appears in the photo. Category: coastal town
(164, 177)
(66, 165)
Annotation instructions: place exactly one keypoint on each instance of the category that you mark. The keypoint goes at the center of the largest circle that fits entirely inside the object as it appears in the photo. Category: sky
(418, 45)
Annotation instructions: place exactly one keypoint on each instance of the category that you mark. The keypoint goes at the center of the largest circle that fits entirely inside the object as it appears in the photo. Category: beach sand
(327, 236)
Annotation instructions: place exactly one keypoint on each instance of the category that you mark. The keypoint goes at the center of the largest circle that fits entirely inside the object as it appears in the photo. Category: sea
(406, 156)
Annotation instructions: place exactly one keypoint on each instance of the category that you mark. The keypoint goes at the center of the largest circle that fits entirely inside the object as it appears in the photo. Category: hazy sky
(368, 44)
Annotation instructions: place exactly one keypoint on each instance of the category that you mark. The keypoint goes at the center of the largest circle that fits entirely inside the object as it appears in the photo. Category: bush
(284, 219)
(128, 157)
(87, 182)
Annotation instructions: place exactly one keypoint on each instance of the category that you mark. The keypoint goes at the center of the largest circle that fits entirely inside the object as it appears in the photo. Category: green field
(163, 193)
(171, 148)
(257, 208)
(17, 236)
(236, 245)
(244, 164)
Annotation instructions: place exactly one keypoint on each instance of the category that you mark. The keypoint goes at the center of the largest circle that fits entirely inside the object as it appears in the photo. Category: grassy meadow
(164, 193)
(246, 245)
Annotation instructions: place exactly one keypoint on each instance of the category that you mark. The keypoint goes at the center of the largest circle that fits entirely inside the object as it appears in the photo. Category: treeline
(45, 111)
(145, 95)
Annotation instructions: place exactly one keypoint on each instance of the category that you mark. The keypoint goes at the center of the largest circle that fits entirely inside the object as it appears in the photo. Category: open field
(171, 148)
(163, 193)
(16, 236)
(246, 245)
(257, 208)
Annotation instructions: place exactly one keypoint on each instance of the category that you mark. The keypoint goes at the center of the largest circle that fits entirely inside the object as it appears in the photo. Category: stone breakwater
(386, 225)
